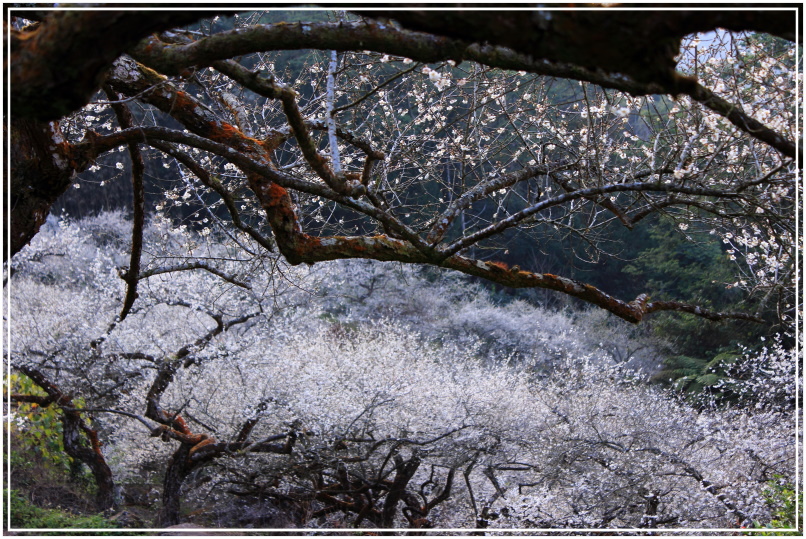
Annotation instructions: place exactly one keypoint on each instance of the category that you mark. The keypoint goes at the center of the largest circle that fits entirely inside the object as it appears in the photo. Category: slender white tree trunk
(331, 121)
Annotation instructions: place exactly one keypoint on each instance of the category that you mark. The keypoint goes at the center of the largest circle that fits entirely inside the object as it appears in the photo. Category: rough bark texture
(628, 51)
(41, 170)
(640, 44)
(56, 66)
(178, 469)
(404, 471)
(271, 189)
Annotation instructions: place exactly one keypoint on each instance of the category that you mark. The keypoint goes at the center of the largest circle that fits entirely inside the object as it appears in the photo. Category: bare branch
(517, 217)
(131, 276)
(191, 266)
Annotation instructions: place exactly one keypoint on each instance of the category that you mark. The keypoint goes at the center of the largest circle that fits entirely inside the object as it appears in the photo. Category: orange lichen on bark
(206, 441)
(233, 137)
(194, 439)
(94, 441)
(276, 202)
(176, 423)
(181, 433)
(183, 102)
(224, 132)
(181, 425)
(280, 202)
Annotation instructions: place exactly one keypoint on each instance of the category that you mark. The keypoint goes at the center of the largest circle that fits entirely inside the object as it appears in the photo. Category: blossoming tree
(433, 162)
(424, 139)
(258, 402)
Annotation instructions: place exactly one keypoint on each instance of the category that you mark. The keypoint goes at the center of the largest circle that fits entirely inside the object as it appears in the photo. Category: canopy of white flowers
(288, 327)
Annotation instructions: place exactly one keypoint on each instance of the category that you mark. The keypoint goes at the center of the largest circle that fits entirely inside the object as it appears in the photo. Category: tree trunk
(73, 425)
(55, 66)
(40, 171)
(179, 467)
(92, 457)
(404, 471)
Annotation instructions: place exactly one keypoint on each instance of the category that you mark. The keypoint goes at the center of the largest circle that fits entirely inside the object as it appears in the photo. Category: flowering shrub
(296, 393)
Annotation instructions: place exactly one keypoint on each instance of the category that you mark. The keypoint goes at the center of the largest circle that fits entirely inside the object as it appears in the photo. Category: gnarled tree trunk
(41, 170)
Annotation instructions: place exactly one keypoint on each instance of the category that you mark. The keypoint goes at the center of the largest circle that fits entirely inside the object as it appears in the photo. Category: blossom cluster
(559, 435)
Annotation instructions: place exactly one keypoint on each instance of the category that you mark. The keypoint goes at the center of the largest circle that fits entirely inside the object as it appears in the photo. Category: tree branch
(298, 247)
(131, 276)
(642, 65)
(73, 425)
(55, 69)
(191, 266)
(518, 217)
(215, 184)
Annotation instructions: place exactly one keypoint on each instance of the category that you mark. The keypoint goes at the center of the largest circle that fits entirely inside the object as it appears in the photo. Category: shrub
(23, 514)
(784, 502)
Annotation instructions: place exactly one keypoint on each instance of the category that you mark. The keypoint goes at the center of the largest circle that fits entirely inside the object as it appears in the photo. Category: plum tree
(259, 144)
(289, 398)
(500, 153)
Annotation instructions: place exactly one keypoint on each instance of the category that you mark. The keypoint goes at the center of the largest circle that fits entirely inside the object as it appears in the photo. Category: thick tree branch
(640, 44)
(298, 247)
(343, 36)
(43, 167)
(270, 185)
(638, 58)
(55, 68)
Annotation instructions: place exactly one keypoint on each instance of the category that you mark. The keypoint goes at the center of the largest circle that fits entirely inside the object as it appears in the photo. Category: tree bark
(632, 52)
(270, 187)
(640, 44)
(404, 471)
(179, 467)
(40, 171)
(57, 65)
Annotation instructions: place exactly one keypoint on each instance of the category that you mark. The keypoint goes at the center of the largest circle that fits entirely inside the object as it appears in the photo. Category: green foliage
(703, 381)
(683, 265)
(25, 515)
(689, 266)
(42, 428)
(784, 503)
